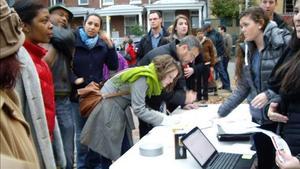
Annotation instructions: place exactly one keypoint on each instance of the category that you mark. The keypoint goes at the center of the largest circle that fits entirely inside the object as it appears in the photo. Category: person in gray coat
(264, 45)
(107, 130)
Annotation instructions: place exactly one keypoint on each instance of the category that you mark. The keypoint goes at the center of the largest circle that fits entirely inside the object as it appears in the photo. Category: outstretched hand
(274, 115)
(260, 100)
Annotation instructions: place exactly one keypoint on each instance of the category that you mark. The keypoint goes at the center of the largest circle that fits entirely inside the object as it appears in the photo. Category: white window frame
(135, 2)
(54, 2)
(126, 25)
(105, 3)
(170, 19)
(193, 15)
(79, 2)
(103, 26)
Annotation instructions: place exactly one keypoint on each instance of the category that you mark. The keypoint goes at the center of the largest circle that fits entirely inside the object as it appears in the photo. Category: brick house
(120, 15)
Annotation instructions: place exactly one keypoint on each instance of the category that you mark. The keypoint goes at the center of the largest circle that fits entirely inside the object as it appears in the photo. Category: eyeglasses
(153, 19)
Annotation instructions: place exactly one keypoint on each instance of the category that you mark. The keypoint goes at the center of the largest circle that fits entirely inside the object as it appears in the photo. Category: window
(108, 2)
(55, 2)
(103, 26)
(288, 6)
(194, 19)
(59, 1)
(135, 2)
(168, 18)
(129, 22)
(83, 2)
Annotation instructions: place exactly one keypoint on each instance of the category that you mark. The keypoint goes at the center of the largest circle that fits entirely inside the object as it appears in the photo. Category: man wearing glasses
(185, 51)
(155, 37)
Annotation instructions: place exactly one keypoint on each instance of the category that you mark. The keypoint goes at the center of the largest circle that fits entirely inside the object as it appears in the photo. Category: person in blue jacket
(264, 45)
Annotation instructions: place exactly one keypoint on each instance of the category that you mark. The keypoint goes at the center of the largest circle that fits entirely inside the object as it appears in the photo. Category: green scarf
(154, 85)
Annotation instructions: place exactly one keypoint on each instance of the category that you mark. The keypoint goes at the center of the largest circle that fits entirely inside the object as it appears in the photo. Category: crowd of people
(43, 62)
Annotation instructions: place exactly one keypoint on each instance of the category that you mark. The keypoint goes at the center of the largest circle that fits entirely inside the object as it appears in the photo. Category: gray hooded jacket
(275, 41)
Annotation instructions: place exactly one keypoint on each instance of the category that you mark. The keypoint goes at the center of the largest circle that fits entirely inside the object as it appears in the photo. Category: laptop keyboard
(225, 161)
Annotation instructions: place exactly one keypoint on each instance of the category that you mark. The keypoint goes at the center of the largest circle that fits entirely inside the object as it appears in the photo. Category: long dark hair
(93, 14)
(240, 57)
(28, 10)
(291, 69)
(290, 73)
(258, 15)
(10, 68)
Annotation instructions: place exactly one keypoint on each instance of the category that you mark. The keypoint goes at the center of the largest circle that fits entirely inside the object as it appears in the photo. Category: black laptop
(207, 155)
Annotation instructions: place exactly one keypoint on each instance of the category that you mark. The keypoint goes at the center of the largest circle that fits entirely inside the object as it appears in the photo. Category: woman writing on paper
(108, 128)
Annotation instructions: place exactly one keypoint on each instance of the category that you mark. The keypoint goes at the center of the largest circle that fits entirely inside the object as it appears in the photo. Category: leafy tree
(225, 8)
(136, 30)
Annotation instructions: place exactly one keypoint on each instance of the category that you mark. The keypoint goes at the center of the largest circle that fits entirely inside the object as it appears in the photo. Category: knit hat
(206, 26)
(11, 35)
(61, 6)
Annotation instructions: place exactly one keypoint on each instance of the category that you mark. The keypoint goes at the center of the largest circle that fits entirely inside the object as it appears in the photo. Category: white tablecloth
(204, 118)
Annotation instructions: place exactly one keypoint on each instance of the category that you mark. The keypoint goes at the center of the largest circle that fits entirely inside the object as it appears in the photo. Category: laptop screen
(198, 145)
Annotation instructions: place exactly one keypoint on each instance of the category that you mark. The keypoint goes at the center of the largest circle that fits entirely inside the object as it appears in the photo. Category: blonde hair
(165, 64)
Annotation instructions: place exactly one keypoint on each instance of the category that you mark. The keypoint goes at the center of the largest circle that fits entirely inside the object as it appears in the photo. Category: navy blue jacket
(218, 41)
(88, 63)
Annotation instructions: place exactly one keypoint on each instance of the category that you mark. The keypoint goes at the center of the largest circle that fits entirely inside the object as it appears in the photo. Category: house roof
(80, 11)
(115, 10)
(175, 4)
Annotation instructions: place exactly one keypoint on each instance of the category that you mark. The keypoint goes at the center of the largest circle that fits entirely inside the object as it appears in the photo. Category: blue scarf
(90, 42)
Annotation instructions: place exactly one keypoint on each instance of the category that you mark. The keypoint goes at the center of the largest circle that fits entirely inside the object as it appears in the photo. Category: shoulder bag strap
(120, 93)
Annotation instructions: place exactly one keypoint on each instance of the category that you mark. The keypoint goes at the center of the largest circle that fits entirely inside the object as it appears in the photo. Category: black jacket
(145, 44)
(289, 105)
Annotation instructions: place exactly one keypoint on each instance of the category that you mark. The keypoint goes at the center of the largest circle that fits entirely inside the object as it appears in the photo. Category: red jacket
(130, 50)
(37, 53)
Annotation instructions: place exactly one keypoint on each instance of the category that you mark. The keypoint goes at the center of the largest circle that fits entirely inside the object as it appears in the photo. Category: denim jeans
(86, 158)
(219, 69)
(65, 118)
(225, 61)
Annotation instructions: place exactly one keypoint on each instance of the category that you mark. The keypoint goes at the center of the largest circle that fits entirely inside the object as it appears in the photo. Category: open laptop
(207, 155)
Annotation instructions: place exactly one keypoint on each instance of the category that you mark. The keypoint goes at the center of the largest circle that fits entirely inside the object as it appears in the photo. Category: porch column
(108, 25)
(140, 19)
(148, 23)
(200, 16)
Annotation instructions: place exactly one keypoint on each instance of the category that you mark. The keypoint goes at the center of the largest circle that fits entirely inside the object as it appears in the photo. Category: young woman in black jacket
(285, 81)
